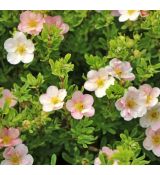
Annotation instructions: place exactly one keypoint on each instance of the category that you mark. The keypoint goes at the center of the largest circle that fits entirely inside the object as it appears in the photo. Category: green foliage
(94, 38)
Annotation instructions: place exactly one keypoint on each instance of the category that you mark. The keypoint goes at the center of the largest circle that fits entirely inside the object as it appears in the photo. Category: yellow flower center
(21, 49)
(149, 98)
(79, 106)
(55, 100)
(100, 82)
(154, 115)
(131, 12)
(6, 140)
(32, 23)
(118, 71)
(8, 100)
(156, 139)
(130, 103)
(15, 159)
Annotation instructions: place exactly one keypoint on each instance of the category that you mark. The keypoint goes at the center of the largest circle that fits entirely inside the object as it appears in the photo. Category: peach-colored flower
(151, 118)
(108, 153)
(31, 23)
(9, 137)
(8, 98)
(152, 141)
(58, 22)
(80, 105)
(151, 94)
(98, 81)
(17, 156)
(132, 104)
(53, 99)
(120, 69)
(144, 13)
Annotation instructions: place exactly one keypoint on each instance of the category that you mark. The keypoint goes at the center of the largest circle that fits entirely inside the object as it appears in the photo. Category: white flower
(152, 118)
(132, 104)
(98, 81)
(131, 15)
(19, 49)
(53, 99)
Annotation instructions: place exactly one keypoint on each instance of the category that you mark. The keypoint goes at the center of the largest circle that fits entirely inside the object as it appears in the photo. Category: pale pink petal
(144, 122)
(48, 107)
(13, 133)
(97, 161)
(52, 91)
(77, 96)
(155, 92)
(123, 18)
(27, 160)
(156, 151)
(90, 85)
(77, 115)
(8, 152)
(91, 74)
(21, 149)
(147, 144)
(88, 100)
(44, 99)
(7, 93)
(100, 92)
(62, 94)
(90, 112)
(70, 105)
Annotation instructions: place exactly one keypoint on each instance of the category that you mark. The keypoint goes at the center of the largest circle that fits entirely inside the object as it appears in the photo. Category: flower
(120, 70)
(98, 81)
(8, 98)
(19, 49)
(151, 94)
(128, 15)
(115, 13)
(9, 137)
(152, 141)
(80, 105)
(53, 99)
(108, 153)
(17, 156)
(58, 22)
(31, 23)
(132, 104)
(151, 118)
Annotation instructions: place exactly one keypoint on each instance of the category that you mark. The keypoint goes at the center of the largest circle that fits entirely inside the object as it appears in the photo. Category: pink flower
(17, 156)
(151, 118)
(9, 137)
(152, 141)
(98, 81)
(8, 98)
(80, 105)
(53, 99)
(144, 13)
(58, 22)
(108, 153)
(115, 13)
(151, 94)
(120, 69)
(31, 23)
(132, 104)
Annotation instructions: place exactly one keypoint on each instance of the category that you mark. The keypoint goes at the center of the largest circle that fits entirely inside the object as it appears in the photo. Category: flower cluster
(21, 49)
(143, 103)
(15, 153)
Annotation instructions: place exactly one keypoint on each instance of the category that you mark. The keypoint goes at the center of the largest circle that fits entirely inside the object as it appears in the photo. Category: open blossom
(120, 69)
(151, 118)
(19, 49)
(17, 156)
(151, 94)
(132, 104)
(9, 137)
(131, 15)
(53, 99)
(152, 141)
(8, 98)
(108, 152)
(80, 105)
(98, 81)
(31, 23)
(58, 22)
